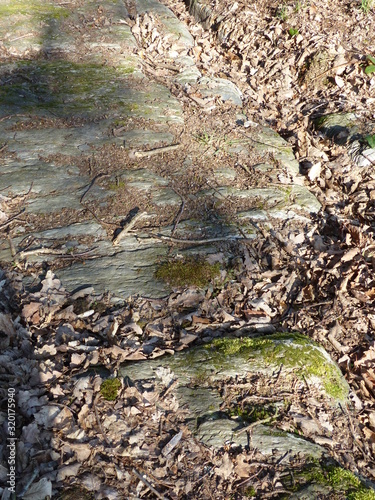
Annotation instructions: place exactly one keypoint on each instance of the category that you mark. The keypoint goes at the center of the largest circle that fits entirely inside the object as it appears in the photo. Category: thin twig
(197, 242)
(29, 482)
(139, 476)
(40, 251)
(13, 251)
(178, 216)
(351, 426)
(92, 183)
(171, 388)
(128, 227)
(264, 143)
(11, 219)
(51, 251)
(111, 224)
(352, 61)
(98, 421)
(155, 151)
(19, 37)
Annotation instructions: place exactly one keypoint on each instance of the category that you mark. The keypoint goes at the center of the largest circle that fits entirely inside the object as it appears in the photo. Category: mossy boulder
(199, 369)
(296, 353)
(232, 357)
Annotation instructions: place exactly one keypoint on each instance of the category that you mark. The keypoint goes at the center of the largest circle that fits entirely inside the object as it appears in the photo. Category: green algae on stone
(71, 89)
(191, 271)
(294, 351)
(231, 357)
(109, 388)
(40, 9)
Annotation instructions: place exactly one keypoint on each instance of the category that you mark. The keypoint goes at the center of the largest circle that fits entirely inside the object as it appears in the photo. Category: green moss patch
(191, 271)
(294, 351)
(68, 88)
(335, 478)
(109, 388)
(252, 412)
(33, 8)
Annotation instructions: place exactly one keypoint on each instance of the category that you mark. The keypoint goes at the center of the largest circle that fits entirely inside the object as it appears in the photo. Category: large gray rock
(236, 357)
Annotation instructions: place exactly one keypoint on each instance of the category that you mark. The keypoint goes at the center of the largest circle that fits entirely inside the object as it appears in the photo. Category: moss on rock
(191, 271)
(34, 8)
(294, 351)
(109, 388)
(334, 479)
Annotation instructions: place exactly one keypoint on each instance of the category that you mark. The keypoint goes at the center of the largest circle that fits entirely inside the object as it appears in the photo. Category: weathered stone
(67, 187)
(279, 197)
(123, 272)
(143, 138)
(144, 180)
(238, 357)
(225, 89)
(225, 174)
(268, 141)
(82, 229)
(189, 75)
(84, 90)
(172, 25)
(268, 441)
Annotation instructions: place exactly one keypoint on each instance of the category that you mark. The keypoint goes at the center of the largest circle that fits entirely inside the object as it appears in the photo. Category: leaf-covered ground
(318, 280)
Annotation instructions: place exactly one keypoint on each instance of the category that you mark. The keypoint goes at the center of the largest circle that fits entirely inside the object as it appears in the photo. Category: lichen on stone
(333, 478)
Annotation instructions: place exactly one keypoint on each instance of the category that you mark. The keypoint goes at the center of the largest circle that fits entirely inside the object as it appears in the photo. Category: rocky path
(84, 121)
(122, 159)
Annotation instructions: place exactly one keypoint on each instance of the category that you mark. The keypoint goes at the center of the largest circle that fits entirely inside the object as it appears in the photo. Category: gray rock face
(96, 103)
(108, 100)
(129, 271)
(270, 442)
(198, 368)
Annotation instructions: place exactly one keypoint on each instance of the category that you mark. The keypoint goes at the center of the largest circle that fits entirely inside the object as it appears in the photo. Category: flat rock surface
(77, 134)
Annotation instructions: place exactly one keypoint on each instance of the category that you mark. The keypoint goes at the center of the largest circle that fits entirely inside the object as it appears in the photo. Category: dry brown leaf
(135, 356)
(199, 320)
(370, 435)
(226, 467)
(254, 314)
(242, 468)
(367, 357)
(31, 312)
